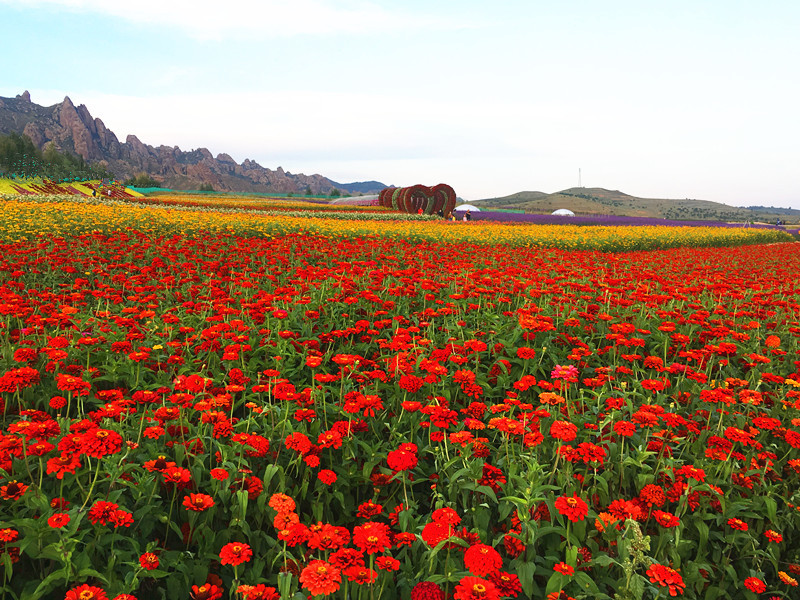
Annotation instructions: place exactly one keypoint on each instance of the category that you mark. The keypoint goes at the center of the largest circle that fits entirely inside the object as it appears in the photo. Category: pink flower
(565, 372)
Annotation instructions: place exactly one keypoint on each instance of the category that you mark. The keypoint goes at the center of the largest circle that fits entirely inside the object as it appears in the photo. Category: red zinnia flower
(258, 592)
(58, 520)
(219, 474)
(295, 534)
(427, 590)
(508, 584)
(149, 561)
(624, 428)
(737, 524)
(330, 439)
(482, 560)
(69, 383)
(360, 575)
(86, 592)
(320, 578)
(666, 519)
(387, 563)
(198, 502)
(475, 588)
(57, 402)
(773, 536)
(299, 442)
(347, 557)
(235, 553)
(446, 516)
(563, 430)
(411, 383)
(325, 536)
(369, 509)
(433, 533)
(573, 507)
(67, 462)
(177, 475)
(666, 577)
(400, 460)
(755, 585)
(372, 537)
(9, 535)
(492, 477)
(564, 569)
(207, 591)
(327, 476)
(102, 512)
(13, 490)
(159, 464)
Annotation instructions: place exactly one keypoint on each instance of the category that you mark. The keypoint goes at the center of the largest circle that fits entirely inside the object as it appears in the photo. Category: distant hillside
(599, 201)
(360, 187)
(73, 129)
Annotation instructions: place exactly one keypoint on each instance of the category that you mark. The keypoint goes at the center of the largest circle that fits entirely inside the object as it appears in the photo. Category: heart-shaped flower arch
(412, 199)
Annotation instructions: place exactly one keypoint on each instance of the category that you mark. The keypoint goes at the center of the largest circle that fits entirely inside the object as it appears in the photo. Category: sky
(680, 99)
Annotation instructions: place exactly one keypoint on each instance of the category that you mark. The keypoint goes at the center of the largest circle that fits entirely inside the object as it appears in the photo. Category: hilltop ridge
(600, 201)
(73, 129)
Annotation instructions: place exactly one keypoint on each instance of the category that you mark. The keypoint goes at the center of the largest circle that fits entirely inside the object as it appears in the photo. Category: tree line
(20, 158)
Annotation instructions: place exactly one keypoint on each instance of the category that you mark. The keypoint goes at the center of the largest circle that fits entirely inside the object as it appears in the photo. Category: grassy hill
(599, 201)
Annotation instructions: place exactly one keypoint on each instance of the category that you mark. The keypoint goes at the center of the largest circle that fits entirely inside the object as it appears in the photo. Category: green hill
(599, 201)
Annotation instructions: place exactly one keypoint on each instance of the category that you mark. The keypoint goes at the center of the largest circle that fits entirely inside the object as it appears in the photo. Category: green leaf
(47, 584)
(555, 583)
(588, 585)
(771, 506)
(526, 572)
(604, 560)
(637, 586)
(87, 572)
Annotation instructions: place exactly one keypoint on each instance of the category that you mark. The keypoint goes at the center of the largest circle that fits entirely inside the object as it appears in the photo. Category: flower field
(23, 218)
(223, 404)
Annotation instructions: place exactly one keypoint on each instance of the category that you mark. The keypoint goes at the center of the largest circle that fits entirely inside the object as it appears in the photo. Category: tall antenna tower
(579, 178)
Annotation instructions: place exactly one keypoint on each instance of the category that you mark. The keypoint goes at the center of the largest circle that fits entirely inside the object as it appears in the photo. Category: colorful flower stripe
(244, 203)
(81, 188)
(25, 219)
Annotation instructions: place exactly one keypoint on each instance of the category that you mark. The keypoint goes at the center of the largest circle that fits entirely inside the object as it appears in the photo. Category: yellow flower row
(25, 219)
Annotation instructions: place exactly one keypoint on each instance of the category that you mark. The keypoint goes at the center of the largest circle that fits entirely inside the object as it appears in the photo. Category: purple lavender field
(607, 220)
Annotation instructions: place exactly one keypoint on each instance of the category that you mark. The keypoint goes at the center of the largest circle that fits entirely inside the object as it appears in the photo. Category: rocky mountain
(73, 129)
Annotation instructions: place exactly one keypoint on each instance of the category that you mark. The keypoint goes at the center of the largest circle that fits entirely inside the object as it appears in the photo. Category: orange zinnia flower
(320, 578)
(282, 503)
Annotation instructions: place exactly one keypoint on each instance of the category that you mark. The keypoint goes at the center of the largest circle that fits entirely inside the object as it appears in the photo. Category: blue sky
(686, 99)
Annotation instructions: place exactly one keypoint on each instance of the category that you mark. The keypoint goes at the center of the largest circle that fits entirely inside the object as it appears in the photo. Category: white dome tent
(563, 212)
(466, 207)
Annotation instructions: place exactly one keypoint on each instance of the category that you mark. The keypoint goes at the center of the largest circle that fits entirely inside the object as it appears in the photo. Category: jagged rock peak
(73, 129)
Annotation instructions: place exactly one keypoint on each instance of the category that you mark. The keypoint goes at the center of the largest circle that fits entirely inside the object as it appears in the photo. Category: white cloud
(215, 20)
